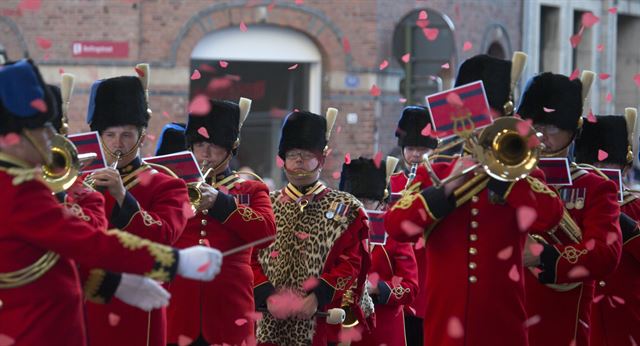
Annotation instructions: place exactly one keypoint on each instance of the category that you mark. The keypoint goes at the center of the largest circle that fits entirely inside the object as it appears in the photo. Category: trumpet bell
(504, 153)
(63, 170)
(195, 195)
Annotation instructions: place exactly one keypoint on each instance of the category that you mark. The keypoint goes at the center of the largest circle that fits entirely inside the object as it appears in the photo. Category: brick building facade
(352, 39)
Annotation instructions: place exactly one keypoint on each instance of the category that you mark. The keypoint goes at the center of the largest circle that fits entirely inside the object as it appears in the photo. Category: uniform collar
(132, 166)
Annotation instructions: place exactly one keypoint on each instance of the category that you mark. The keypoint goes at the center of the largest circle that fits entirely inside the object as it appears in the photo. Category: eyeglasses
(304, 155)
(547, 129)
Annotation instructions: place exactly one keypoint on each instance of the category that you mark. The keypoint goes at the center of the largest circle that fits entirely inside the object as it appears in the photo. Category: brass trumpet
(193, 189)
(91, 182)
(65, 166)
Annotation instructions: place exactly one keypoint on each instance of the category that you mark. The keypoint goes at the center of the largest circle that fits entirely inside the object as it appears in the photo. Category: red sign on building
(100, 49)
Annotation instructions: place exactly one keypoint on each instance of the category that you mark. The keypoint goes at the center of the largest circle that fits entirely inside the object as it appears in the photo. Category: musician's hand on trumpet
(209, 196)
(110, 179)
(459, 167)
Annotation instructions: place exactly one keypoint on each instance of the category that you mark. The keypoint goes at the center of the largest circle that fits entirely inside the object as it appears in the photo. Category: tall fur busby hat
(610, 134)
(117, 101)
(303, 130)
(363, 179)
(222, 124)
(172, 139)
(561, 97)
(409, 131)
(25, 100)
(494, 73)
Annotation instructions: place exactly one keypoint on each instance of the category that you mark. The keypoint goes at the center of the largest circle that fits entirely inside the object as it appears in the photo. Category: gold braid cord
(405, 202)
(162, 254)
(148, 220)
(400, 291)
(538, 187)
(22, 175)
(249, 214)
(92, 285)
(572, 254)
(30, 273)
(77, 211)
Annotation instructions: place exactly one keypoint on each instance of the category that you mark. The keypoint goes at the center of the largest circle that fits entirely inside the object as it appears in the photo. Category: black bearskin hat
(222, 124)
(409, 132)
(562, 98)
(363, 179)
(494, 73)
(303, 130)
(117, 101)
(609, 134)
(172, 139)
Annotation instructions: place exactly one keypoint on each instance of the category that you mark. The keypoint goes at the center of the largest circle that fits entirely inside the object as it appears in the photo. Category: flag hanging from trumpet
(183, 164)
(377, 233)
(459, 111)
(614, 175)
(556, 170)
(88, 143)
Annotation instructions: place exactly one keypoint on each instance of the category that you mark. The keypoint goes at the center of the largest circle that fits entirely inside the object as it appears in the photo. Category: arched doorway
(278, 68)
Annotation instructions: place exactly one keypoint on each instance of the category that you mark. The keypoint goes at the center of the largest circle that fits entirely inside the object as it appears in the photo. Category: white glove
(199, 263)
(142, 292)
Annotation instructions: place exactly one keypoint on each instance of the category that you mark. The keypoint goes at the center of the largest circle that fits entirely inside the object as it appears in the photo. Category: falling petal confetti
(602, 154)
(589, 19)
(609, 97)
(200, 105)
(636, 79)
(402, 100)
(243, 27)
(377, 159)
(187, 211)
(533, 142)
(145, 177)
(310, 283)
(618, 300)
(514, 274)
(531, 321)
(454, 100)
(613, 10)
(254, 315)
(30, 5)
(284, 304)
(39, 105)
(578, 272)
(346, 45)
(590, 244)
(375, 91)
(223, 64)
(419, 244)
(548, 110)
(600, 47)
(467, 46)
(9, 139)
(335, 175)
(292, 67)
(405, 58)
(139, 72)
(598, 298)
(426, 131)
(526, 216)
(575, 74)
(575, 40)
(454, 328)
(204, 267)
(445, 65)
(612, 237)
(431, 33)
(195, 75)
(6, 340)
(203, 132)
(410, 228)
(524, 127)
(113, 319)
(302, 235)
(383, 65)
(505, 253)
(241, 322)
(373, 278)
(591, 118)
(61, 70)
(347, 158)
(423, 15)
(43, 43)
(279, 162)
(184, 340)
(604, 76)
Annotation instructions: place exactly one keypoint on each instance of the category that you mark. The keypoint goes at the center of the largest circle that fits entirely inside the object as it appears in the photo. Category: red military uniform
(153, 208)
(473, 256)
(395, 264)
(564, 315)
(398, 183)
(241, 214)
(615, 314)
(37, 228)
(323, 240)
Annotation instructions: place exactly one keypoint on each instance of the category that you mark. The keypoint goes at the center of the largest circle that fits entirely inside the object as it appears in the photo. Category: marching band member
(473, 255)
(232, 212)
(393, 263)
(40, 296)
(319, 238)
(586, 246)
(615, 314)
(143, 199)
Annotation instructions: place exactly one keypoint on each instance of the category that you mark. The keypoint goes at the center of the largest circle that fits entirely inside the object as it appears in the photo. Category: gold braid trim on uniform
(30, 273)
(148, 219)
(162, 254)
(92, 285)
(77, 211)
(539, 187)
(22, 175)
(571, 254)
(400, 291)
(405, 202)
(341, 283)
(249, 214)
